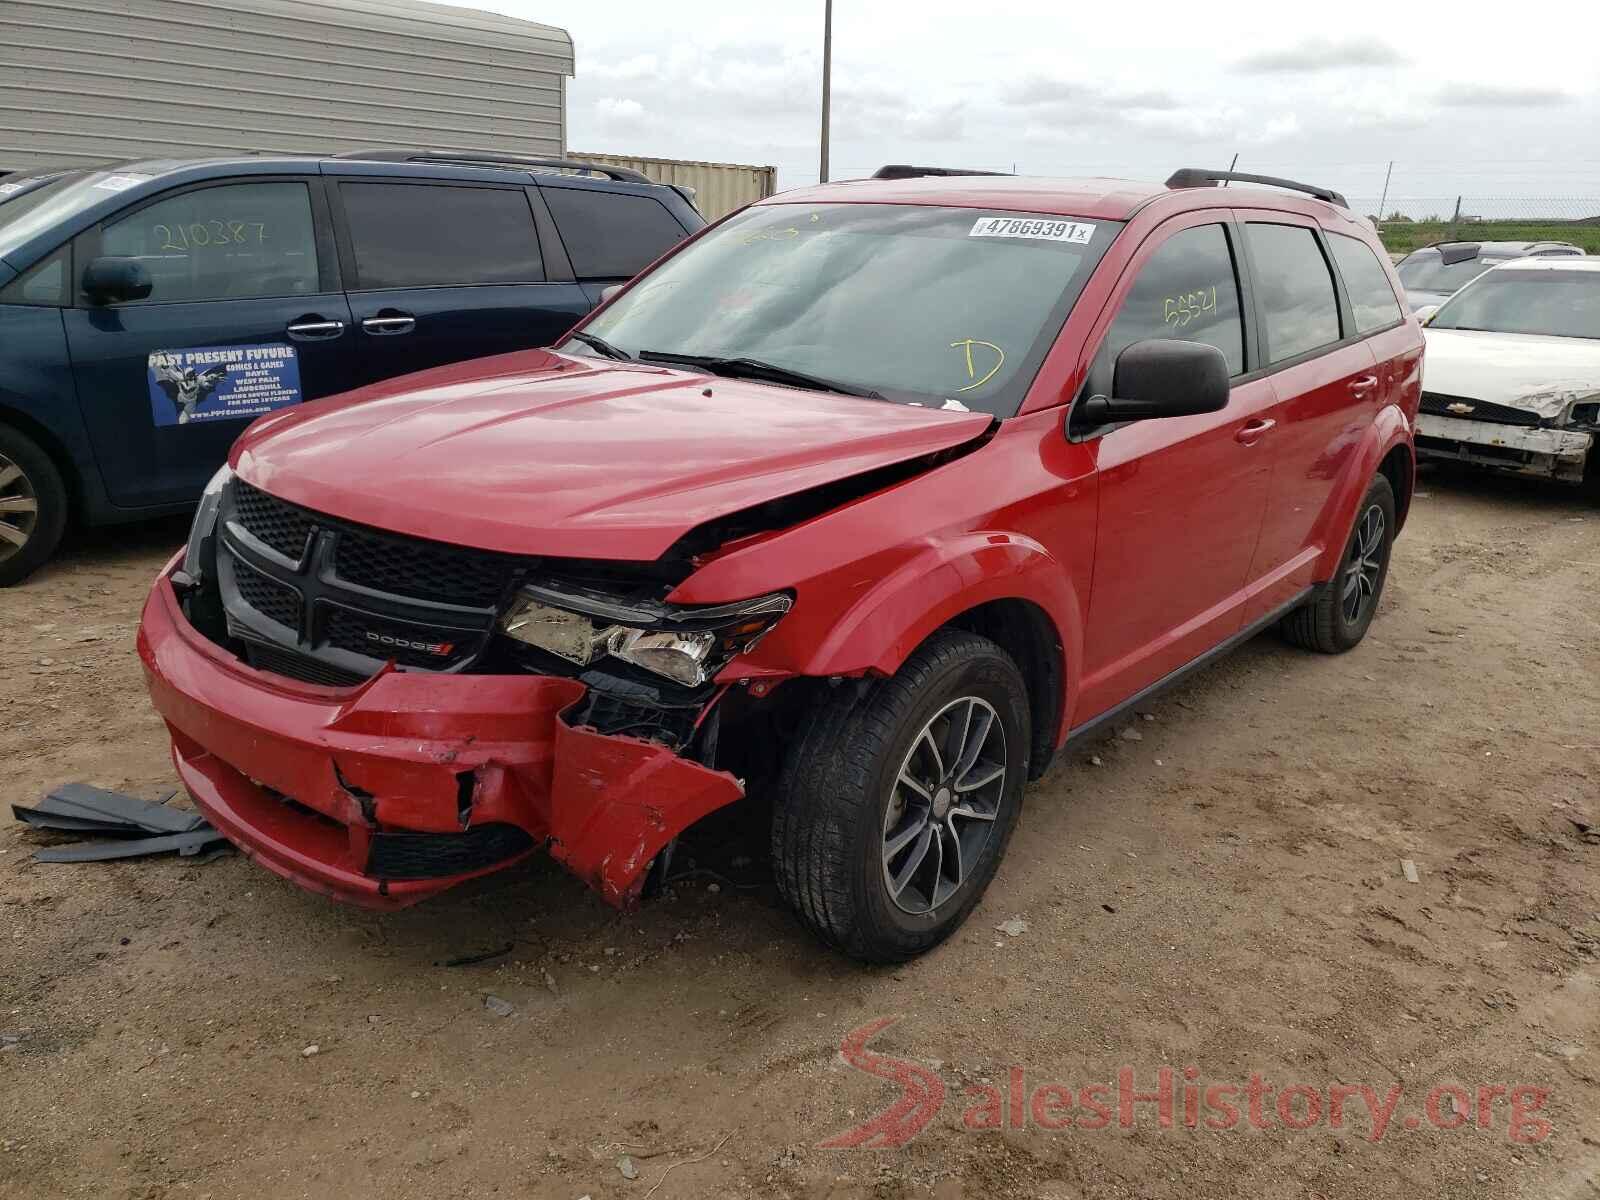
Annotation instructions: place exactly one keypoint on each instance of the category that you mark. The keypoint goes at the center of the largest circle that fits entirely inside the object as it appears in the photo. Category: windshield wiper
(595, 342)
(755, 368)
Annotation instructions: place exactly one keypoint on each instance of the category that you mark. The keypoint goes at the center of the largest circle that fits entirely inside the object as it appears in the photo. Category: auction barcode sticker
(119, 183)
(1032, 227)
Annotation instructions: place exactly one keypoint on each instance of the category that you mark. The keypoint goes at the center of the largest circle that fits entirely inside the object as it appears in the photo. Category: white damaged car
(1511, 378)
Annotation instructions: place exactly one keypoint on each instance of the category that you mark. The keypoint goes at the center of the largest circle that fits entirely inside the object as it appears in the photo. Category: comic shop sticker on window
(221, 383)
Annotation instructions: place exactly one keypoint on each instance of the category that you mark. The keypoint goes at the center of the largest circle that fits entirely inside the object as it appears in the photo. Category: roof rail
(1189, 177)
(493, 158)
(901, 171)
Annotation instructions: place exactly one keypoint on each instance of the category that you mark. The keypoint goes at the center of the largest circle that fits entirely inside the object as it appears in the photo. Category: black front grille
(276, 522)
(422, 570)
(430, 648)
(273, 600)
(355, 597)
(298, 666)
(435, 855)
(1499, 414)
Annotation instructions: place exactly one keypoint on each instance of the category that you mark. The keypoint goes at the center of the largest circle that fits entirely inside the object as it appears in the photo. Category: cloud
(1321, 54)
(620, 114)
(1486, 95)
(1043, 91)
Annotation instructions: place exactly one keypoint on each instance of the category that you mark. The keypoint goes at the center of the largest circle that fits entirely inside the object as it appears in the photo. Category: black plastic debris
(136, 827)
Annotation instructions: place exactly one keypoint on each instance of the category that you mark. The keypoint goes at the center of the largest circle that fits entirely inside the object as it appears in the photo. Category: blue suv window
(232, 242)
(408, 235)
(43, 284)
(609, 235)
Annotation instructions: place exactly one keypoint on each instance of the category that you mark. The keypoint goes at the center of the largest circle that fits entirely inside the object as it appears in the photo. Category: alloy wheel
(19, 509)
(1363, 566)
(943, 805)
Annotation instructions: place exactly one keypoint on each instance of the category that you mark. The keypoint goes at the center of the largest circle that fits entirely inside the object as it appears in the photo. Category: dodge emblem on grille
(439, 648)
(1459, 408)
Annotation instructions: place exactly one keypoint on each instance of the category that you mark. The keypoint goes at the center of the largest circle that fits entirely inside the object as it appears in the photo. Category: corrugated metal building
(85, 81)
(719, 187)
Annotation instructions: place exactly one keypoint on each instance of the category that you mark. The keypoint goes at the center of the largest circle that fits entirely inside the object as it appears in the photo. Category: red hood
(533, 453)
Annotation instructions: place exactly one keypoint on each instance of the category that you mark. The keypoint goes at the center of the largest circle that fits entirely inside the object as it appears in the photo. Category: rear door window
(237, 241)
(609, 235)
(407, 235)
(1187, 290)
(1367, 283)
(1294, 290)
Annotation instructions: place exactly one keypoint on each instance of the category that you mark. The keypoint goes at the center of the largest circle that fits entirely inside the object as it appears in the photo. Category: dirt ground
(1224, 892)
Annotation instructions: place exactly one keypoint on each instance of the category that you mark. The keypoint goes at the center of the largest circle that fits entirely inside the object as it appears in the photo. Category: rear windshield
(1425, 271)
(943, 307)
(1558, 303)
(25, 216)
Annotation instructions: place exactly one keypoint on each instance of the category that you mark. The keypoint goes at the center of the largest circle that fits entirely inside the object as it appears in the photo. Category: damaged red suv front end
(379, 716)
(406, 784)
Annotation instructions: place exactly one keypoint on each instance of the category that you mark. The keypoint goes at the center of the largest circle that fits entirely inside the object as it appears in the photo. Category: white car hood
(1530, 371)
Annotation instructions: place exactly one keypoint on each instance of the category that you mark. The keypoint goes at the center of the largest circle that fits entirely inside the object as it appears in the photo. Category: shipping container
(98, 80)
(719, 187)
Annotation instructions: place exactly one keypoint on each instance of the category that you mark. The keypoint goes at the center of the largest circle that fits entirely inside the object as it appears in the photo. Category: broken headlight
(687, 644)
(196, 557)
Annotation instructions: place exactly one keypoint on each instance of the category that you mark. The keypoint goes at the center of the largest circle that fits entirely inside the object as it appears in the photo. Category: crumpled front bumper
(1550, 453)
(364, 793)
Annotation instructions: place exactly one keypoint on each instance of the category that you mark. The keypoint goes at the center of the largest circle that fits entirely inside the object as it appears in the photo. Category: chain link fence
(1408, 222)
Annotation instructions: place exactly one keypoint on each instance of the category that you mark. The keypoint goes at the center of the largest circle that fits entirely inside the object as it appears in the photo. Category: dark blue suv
(150, 310)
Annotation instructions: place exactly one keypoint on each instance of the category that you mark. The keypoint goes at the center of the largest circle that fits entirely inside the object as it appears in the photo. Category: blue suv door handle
(388, 323)
(314, 328)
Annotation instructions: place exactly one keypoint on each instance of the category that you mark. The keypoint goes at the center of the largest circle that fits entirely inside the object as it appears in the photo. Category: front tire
(898, 799)
(33, 506)
(1337, 617)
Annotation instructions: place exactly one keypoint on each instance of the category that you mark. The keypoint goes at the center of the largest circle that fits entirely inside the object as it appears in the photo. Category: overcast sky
(1329, 93)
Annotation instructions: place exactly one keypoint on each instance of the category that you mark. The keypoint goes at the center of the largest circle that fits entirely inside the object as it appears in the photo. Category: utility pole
(827, 83)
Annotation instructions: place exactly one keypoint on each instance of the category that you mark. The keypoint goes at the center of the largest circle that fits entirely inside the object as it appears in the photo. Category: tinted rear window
(1426, 271)
(1299, 308)
(1371, 298)
(610, 235)
(431, 235)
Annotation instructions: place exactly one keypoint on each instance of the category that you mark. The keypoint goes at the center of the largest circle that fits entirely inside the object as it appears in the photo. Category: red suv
(860, 504)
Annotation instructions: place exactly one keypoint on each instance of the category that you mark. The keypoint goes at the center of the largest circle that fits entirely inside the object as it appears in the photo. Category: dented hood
(538, 453)
(1521, 370)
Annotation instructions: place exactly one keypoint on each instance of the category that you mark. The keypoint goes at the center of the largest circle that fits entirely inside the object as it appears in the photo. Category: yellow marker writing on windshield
(966, 344)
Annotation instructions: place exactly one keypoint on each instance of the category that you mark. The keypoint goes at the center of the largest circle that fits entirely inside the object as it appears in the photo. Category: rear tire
(33, 506)
(889, 819)
(1337, 617)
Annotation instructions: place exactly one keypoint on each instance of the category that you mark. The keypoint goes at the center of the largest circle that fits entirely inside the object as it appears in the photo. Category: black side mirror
(114, 280)
(1160, 377)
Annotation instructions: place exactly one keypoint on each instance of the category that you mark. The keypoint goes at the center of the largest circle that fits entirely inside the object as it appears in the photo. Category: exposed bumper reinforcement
(1550, 453)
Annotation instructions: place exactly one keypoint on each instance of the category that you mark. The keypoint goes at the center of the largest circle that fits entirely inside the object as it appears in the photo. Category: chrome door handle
(315, 330)
(389, 325)
(1250, 433)
(1360, 387)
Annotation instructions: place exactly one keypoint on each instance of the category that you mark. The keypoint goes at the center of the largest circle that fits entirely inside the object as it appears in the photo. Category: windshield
(1559, 303)
(943, 307)
(26, 215)
(1427, 272)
